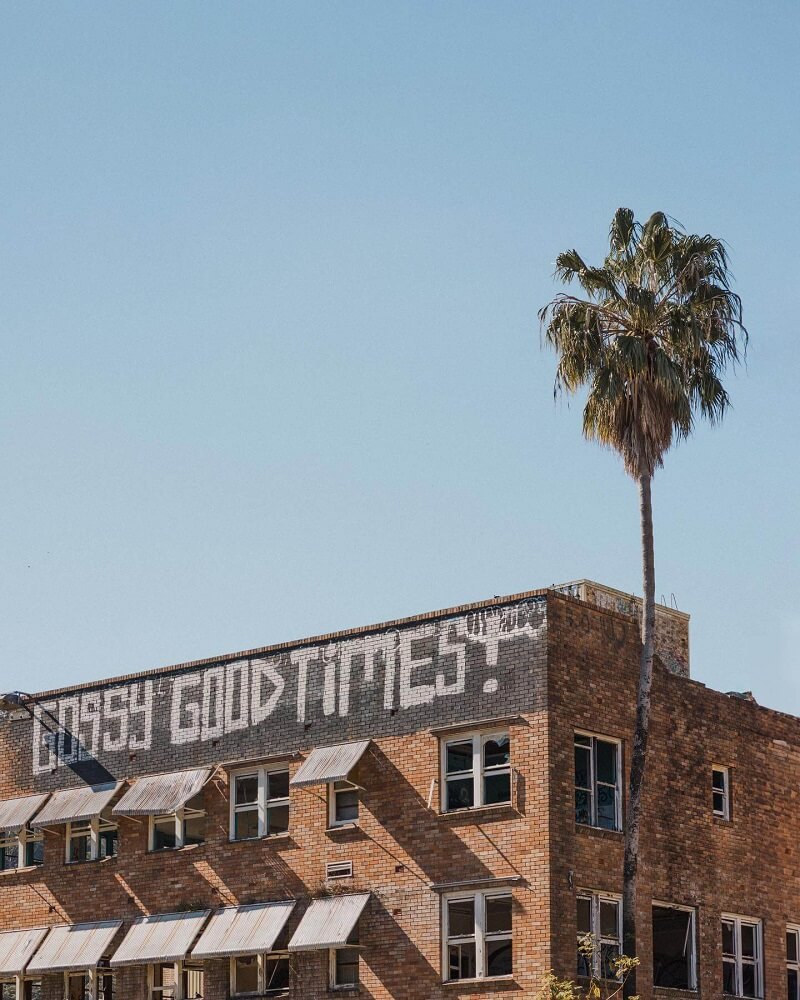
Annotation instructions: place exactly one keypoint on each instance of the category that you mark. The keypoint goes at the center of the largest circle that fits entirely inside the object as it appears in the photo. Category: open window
(185, 826)
(29, 989)
(22, 848)
(259, 802)
(174, 805)
(89, 985)
(742, 961)
(674, 947)
(263, 975)
(598, 783)
(476, 771)
(80, 952)
(599, 921)
(332, 924)
(332, 766)
(721, 791)
(477, 935)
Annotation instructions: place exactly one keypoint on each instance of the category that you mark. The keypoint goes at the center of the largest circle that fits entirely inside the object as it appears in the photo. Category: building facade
(429, 808)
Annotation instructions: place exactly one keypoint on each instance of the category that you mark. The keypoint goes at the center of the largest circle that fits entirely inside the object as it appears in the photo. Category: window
(477, 935)
(92, 839)
(80, 985)
(342, 803)
(477, 771)
(23, 848)
(793, 962)
(260, 974)
(259, 803)
(338, 869)
(179, 829)
(343, 968)
(32, 989)
(674, 954)
(742, 974)
(176, 981)
(598, 801)
(720, 792)
(8, 989)
(599, 934)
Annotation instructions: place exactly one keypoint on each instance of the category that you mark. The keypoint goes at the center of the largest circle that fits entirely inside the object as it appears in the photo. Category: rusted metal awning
(329, 922)
(243, 930)
(16, 813)
(165, 937)
(76, 805)
(16, 948)
(158, 794)
(326, 764)
(75, 946)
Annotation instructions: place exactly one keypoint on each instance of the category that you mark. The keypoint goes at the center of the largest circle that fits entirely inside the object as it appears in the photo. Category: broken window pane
(728, 938)
(462, 964)
(246, 789)
(608, 919)
(498, 958)
(496, 753)
(672, 947)
(748, 980)
(606, 807)
(346, 967)
(460, 793)
(277, 973)
(583, 811)
(246, 974)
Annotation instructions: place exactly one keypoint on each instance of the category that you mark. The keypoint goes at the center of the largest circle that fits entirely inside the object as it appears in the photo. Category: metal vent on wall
(339, 869)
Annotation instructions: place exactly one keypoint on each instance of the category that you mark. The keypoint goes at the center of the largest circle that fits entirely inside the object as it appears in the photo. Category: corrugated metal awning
(15, 813)
(243, 930)
(329, 764)
(75, 946)
(166, 937)
(157, 794)
(75, 805)
(16, 948)
(328, 923)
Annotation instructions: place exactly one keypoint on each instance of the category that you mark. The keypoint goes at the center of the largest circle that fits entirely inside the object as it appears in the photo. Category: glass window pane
(719, 802)
(498, 914)
(34, 852)
(748, 941)
(246, 974)
(748, 980)
(608, 919)
(791, 946)
(497, 752)
(194, 830)
(278, 819)
(459, 757)
(728, 935)
(672, 947)
(582, 768)
(461, 917)
(246, 789)
(729, 978)
(584, 741)
(583, 807)
(609, 953)
(164, 833)
(607, 762)
(79, 848)
(793, 985)
(498, 958)
(346, 966)
(9, 856)
(718, 780)
(462, 964)
(496, 788)
(245, 824)
(277, 973)
(606, 807)
(460, 793)
(346, 805)
(278, 785)
(584, 907)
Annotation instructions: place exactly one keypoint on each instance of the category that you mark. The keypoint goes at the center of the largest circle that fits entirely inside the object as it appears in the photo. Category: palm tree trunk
(640, 736)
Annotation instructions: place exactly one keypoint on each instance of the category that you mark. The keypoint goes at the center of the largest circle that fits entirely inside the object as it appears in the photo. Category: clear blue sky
(270, 357)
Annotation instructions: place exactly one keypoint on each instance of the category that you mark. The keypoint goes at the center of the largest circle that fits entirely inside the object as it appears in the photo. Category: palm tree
(649, 336)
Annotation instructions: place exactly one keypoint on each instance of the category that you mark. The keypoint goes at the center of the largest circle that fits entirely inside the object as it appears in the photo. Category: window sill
(96, 861)
(19, 871)
(502, 810)
(286, 835)
(669, 990)
(599, 831)
(333, 829)
(491, 980)
(175, 850)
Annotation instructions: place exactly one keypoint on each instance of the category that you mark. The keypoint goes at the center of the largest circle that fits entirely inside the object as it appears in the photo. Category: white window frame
(179, 967)
(97, 825)
(333, 984)
(263, 988)
(480, 935)
(94, 976)
(794, 965)
(24, 836)
(725, 812)
(597, 897)
(692, 936)
(333, 791)
(479, 739)
(179, 816)
(594, 737)
(263, 803)
(738, 922)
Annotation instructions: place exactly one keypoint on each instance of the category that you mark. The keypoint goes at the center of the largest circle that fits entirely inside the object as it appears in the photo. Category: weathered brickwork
(539, 665)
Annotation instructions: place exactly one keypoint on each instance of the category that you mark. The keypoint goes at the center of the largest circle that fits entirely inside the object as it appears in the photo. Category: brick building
(429, 808)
